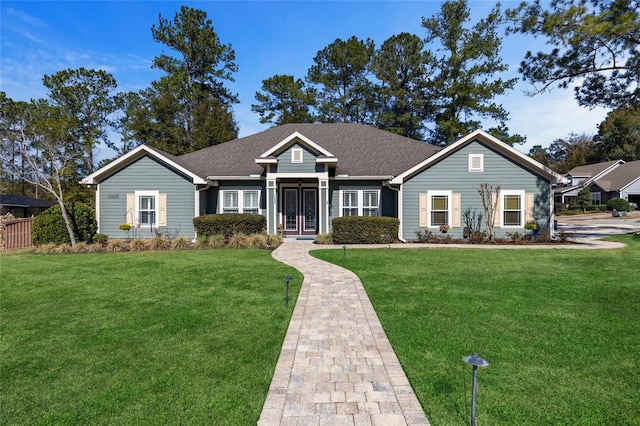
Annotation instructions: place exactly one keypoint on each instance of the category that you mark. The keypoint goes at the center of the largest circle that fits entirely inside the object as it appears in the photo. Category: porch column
(323, 206)
(271, 206)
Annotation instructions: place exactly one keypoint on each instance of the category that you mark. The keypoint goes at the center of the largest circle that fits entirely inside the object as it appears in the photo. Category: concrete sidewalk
(336, 366)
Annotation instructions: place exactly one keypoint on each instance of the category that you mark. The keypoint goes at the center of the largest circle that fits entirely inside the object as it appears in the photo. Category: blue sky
(269, 37)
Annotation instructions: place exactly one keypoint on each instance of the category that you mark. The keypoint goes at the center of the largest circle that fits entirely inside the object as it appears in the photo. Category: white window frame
(449, 195)
(297, 155)
(360, 198)
(151, 194)
(510, 193)
(476, 157)
(241, 206)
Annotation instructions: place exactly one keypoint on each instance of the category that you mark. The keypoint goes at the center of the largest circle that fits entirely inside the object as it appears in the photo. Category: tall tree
(618, 135)
(466, 83)
(85, 94)
(190, 107)
(44, 135)
(573, 151)
(341, 69)
(400, 66)
(594, 44)
(284, 100)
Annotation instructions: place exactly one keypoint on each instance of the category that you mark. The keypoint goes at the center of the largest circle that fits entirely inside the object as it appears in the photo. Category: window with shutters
(476, 163)
(240, 201)
(512, 204)
(439, 208)
(147, 208)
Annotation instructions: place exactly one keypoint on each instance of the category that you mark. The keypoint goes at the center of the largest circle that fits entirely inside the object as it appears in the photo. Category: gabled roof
(360, 150)
(134, 155)
(498, 145)
(620, 177)
(11, 200)
(593, 170)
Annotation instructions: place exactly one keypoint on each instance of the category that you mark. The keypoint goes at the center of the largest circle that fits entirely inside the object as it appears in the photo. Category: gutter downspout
(399, 204)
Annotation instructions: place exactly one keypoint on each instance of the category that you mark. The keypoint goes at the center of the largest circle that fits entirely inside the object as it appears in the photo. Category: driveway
(596, 225)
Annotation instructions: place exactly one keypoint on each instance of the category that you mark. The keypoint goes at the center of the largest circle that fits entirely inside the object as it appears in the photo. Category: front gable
(296, 154)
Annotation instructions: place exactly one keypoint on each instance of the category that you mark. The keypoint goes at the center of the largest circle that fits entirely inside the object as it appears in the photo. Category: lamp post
(286, 292)
(344, 253)
(476, 362)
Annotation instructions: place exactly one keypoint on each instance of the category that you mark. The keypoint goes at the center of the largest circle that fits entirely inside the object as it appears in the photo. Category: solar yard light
(286, 292)
(476, 362)
(344, 252)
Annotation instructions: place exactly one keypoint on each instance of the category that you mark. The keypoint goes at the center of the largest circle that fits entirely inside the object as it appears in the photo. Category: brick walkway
(336, 366)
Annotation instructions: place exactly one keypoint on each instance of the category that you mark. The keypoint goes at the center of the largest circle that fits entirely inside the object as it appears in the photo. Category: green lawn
(186, 337)
(560, 329)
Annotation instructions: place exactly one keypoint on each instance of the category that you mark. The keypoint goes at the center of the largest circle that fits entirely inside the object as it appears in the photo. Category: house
(22, 206)
(301, 176)
(606, 180)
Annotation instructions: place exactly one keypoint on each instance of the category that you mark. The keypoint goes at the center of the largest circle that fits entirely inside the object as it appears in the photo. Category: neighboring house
(606, 180)
(21, 206)
(301, 176)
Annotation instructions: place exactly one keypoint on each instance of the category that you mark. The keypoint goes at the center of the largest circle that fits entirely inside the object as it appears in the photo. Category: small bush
(425, 236)
(100, 238)
(158, 243)
(49, 226)
(324, 239)
(81, 247)
(619, 204)
(239, 241)
(364, 229)
(117, 246)
(139, 244)
(274, 241)
(46, 248)
(259, 241)
(180, 243)
(229, 224)
(217, 241)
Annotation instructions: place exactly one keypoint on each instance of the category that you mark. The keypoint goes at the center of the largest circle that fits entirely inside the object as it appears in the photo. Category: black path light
(286, 292)
(344, 253)
(476, 362)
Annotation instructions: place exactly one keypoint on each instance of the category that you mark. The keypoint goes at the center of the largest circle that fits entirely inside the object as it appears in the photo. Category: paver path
(336, 366)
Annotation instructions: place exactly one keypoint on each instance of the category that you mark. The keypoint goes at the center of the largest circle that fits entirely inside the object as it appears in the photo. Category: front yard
(560, 329)
(179, 337)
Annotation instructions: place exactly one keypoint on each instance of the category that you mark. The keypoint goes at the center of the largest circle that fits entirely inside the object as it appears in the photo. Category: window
(595, 198)
(147, 210)
(439, 210)
(476, 162)
(512, 209)
(360, 202)
(296, 155)
(241, 201)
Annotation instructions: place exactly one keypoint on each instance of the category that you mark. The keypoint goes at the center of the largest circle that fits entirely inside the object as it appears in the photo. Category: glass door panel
(309, 209)
(290, 209)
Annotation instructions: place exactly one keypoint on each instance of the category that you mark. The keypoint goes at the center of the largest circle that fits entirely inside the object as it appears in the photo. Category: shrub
(117, 246)
(239, 241)
(49, 226)
(274, 240)
(100, 238)
(619, 204)
(81, 247)
(180, 243)
(158, 243)
(425, 236)
(364, 229)
(46, 248)
(139, 244)
(258, 240)
(217, 241)
(324, 239)
(229, 224)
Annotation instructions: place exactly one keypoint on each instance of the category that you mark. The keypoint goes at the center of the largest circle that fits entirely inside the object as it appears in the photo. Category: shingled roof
(360, 150)
(620, 177)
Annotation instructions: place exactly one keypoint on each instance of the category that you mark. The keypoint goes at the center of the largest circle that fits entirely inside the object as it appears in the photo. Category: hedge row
(364, 230)
(229, 224)
(49, 226)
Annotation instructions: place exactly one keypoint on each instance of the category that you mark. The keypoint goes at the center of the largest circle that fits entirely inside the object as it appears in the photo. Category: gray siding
(146, 174)
(308, 164)
(452, 173)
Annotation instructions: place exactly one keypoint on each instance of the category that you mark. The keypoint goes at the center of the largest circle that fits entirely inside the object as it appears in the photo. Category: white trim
(479, 157)
(521, 194)
(488, 139)
(139, 152)
(297, 155)
(359, 190)
(449, 195)
(240, 197)
(98, 215)
(291, 138)
(322, 175)
(156, 209)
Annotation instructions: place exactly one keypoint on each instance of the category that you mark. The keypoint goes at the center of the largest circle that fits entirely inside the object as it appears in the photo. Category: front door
(300, 211)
